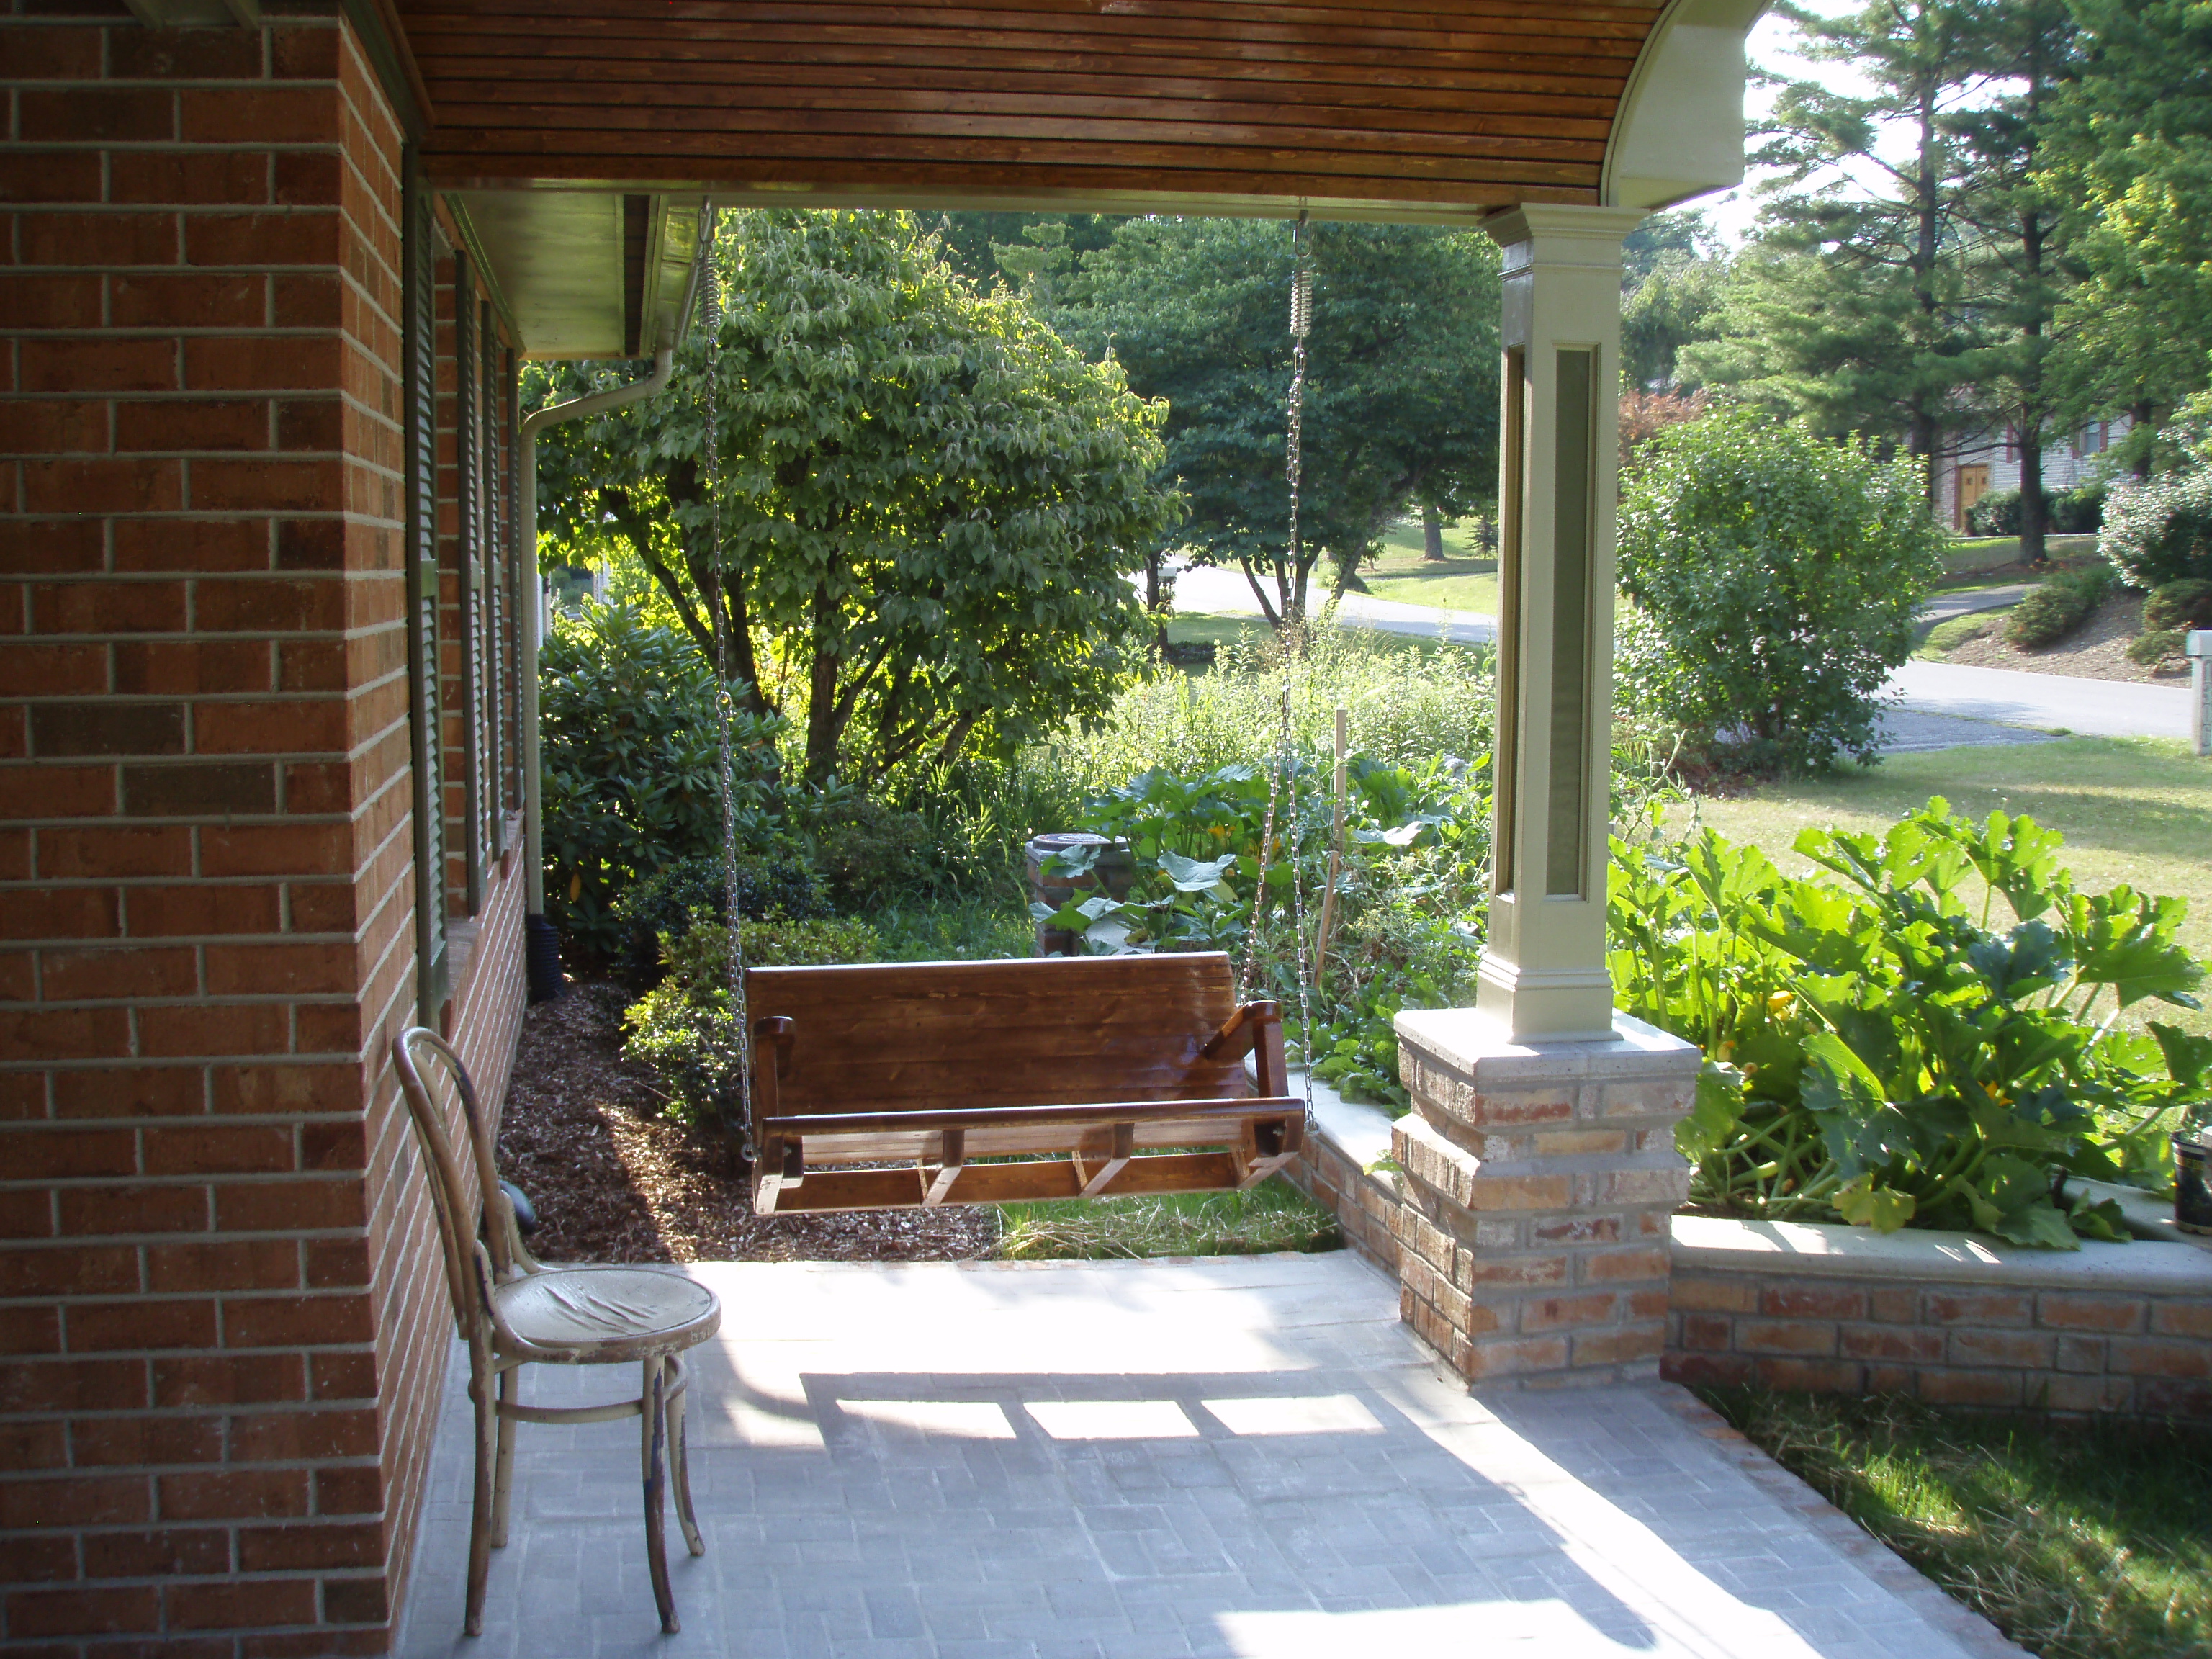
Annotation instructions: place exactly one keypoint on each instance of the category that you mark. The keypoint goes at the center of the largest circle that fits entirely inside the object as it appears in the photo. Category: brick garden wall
(221, 1323)
(2059, 1346)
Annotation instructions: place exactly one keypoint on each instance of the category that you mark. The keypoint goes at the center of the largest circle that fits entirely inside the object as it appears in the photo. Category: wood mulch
(2098, 650)
(614, 1181)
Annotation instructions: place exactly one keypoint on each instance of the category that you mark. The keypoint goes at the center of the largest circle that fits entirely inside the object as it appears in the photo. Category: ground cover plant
(2078, 1540)
(1880, 1050)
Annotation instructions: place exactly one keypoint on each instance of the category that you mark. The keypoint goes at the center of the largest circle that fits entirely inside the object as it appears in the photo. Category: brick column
(222, 1323)
(1539, 1179)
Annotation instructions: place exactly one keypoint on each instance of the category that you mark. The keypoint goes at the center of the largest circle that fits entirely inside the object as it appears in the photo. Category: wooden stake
(1335, 848)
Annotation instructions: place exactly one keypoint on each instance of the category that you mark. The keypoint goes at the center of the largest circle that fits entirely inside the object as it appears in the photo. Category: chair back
(461, 1196)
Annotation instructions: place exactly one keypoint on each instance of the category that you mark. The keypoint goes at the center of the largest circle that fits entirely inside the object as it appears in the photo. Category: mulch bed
(614, 1181)
(2098, 650)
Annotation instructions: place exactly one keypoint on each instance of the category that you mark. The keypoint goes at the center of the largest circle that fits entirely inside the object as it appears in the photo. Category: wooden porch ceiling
(1230, 106)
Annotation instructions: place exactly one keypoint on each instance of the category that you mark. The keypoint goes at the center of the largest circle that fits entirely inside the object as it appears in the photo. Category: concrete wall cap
(1472, 1043)
(1821, 1250)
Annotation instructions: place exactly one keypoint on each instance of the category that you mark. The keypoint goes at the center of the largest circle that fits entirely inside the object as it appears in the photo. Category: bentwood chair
(513, 1310)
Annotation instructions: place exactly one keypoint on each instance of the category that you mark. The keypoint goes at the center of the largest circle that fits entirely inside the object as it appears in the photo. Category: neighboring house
(1985, 464)
(267, 592)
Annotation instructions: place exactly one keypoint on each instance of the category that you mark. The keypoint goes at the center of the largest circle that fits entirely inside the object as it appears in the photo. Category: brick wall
(2061, 1346)
(221, 1325)
(1363, 1204)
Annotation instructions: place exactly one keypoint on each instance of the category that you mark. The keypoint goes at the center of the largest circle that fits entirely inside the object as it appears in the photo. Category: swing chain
(711, 317)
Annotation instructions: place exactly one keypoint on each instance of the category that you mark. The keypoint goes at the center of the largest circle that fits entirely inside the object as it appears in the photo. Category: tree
(1671, 275)
(929, 505)
(2128, 152)
(1775, 576)
(1401, 403)
(1852, 307)
(2018, 273)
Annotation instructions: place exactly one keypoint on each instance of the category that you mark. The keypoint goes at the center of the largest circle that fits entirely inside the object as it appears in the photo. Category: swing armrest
(1256, 1027)
(781, 1030)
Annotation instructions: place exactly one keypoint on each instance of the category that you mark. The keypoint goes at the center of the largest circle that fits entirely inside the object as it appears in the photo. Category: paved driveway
(1223, 1457)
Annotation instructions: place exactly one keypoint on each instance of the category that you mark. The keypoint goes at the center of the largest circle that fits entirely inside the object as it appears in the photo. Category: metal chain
(1283, 777)
(725, 711)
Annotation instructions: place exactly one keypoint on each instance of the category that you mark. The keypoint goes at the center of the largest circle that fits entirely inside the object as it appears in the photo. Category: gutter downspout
(545, 959)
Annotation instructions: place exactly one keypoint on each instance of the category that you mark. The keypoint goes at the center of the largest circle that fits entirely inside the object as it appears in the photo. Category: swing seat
(1098, 1076)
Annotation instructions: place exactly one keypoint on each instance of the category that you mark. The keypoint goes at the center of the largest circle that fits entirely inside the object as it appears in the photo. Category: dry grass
(1272, 1216)
(2079, 1541)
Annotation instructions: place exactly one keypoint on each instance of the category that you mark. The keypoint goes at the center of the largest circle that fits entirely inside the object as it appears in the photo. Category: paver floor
(1236, 1457)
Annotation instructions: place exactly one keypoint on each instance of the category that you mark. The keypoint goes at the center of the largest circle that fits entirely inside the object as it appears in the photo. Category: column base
(1539, 1177)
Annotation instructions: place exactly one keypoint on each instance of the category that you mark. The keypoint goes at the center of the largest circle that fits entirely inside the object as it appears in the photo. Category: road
(2003, 696)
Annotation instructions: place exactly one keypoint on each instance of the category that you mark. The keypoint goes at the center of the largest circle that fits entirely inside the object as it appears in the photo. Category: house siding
(222, 1321)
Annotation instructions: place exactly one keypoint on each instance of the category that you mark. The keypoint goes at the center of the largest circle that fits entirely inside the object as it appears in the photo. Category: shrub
(1997, 514)
(695, 890)
(2160, 530)
(2155, 648)
(682, 1027)
(868, 852)
(1775, 578)
(2055, 608)
(2183, 604)
(1878, 1050)
(2076, 512)
(630, 763)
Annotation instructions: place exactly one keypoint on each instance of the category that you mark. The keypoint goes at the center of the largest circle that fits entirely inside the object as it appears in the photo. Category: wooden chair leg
(654, 1450)
(481, 1517)
(679, 1446)
(502, 1487)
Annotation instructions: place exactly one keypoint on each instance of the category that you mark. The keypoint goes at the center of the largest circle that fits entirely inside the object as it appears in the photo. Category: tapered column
(1543, 971)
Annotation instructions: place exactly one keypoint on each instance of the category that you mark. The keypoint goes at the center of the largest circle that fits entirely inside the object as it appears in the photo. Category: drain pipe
(541, 943)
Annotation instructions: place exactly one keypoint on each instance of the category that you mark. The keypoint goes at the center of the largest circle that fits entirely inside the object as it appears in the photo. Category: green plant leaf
(1863, 1204)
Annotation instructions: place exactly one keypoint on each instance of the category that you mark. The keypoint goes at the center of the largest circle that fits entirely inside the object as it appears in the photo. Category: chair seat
(596, 1315)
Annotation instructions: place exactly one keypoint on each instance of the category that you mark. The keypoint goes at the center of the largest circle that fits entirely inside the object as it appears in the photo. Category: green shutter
(419, 417)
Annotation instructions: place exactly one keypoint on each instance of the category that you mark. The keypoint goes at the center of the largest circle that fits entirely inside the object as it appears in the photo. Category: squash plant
(1886, 1044)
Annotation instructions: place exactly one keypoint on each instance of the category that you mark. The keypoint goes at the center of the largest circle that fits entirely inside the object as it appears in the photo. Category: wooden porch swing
(906, 1085)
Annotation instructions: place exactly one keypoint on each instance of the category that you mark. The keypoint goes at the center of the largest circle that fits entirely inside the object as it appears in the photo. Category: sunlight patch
(958, 1419)
(1327, 1414)
(1112, 1419)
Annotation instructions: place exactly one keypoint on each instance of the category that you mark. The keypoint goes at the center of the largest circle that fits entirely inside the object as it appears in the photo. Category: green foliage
(2160, 530)
(1671, 283)
(682, 1028)
(1401, 403)
(1878, 1049)
(1775, 578)
(2179, 604)
(2156, 647)
(630, 763)
(693, 890)
(1273, 1216)
(928, 502)
(2055, 608)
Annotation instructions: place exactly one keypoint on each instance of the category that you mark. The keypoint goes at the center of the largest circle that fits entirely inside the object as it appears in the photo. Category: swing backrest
(1041, 1031)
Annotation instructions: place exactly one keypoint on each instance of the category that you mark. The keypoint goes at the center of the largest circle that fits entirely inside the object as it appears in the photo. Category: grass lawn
(1273, 1216)
(1467, 579)
(1955, 630)
(2079, 1541)
(2133, 809)
(1980, 553)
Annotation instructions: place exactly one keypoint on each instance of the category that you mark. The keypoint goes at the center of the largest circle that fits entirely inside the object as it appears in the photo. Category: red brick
(1478, 1271)
(1576, 1229)
(50, 53)
(1809, 1376)
(309, 423)
(186, 300)
(67, 1150)
(1712, 1293)
(255, 1264)
(348, 1491)
(77, 1500)
(1880, 1342)
(219, 1149)
(2031, 1352)
(91, 852)
(286, 969)
(336, 1375)
(157, 911)
(83, 1611)
(243, 1604)
(26, 1213)
(2155, 1358)
(295, 849)
(2084, 1355)
(1950, 1388)
(31, 300)
(2089, 1313)
(1706, 1371)
(107, 728)
(156, 1554)
(191, 544)
(61, 1270)
(2182, 1319)
(98, 1211)
(304, 53)
(120, 971)
(76, 791)
(2159, 1396)
(1554, 1313)
(303, 1438)
(1788, 1301)
(291, 1321)
(47, 547)
(88, 1385)
(115, 1327)
(1621, 1347)
(25, 1446)
(244, 1090)
(126, 484)
(30, 1330)
(184, 54)
(336, 1264)
(197, 665)
(96, 364)
(309, 178)
(2081, 1394)
(1484, 1359)
(137, 1091)
(1793, 1336)
(215, 1029)
(280, 1205)
(100, 113)
(98, 1442)
(207, 179)
(35, 1560)
(311, 544)
(1980, 1307)
(267, 115)
(258, 241)
(334, 1146)
(200, 789)
(228, 1380)
(109, 607)
(261, 486)
(1611, 1266)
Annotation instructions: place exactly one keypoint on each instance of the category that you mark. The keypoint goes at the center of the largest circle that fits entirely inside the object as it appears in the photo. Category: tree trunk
(1432, 533)
(822, 728)
(2139, 414)
(2034, 510)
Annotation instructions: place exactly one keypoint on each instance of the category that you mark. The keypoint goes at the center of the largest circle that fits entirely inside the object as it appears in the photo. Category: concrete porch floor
(1239, 1457)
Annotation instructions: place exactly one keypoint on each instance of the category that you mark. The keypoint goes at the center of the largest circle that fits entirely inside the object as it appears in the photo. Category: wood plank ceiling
(1396, 111)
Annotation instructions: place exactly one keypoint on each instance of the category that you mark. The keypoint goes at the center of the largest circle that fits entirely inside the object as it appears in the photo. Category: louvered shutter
(468, 417)
(419, 415)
